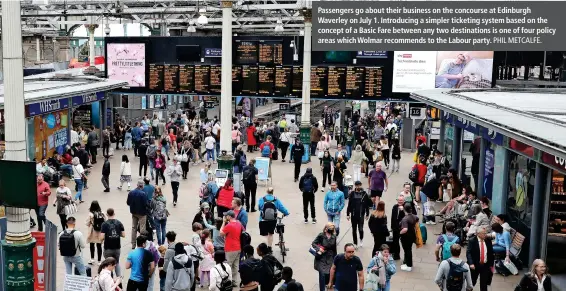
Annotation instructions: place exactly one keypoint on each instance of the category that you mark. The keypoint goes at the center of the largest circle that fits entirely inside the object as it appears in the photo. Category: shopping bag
(70, 209)
(418, 236)
(111, 151)
(371, 282)
(511, 267)
(429, 208)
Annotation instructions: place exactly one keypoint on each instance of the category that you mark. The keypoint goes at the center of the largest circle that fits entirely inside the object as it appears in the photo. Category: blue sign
(372, 54)
(47, 106)
(212, 52)
(262, 165)
(488, 172)
(51, 121)
(466, 125)
(87, 98)
(492, 136)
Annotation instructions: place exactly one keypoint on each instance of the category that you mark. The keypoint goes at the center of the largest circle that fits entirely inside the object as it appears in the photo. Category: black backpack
(269, 211)
(97, 221)
(307, 184)
(67, 244)
(225, 284)
(455, 279)
(251, 269)
(248, 176)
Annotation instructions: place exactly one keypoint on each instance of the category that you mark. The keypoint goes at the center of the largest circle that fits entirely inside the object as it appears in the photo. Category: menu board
(246, 52)
(271, 53)
(202, 79)
(283, 77)
(170, 78)
(336, 81)
(297, 81)
(373, 82)
(250, 76)
(236, 80)
(354, 82)
(156, 77)
(266, 80)
(186, 78)
(215, 79)
(319, 81)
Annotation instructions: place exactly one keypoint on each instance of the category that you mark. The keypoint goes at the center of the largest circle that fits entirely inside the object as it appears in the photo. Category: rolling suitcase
(275, 155)
(423, 232)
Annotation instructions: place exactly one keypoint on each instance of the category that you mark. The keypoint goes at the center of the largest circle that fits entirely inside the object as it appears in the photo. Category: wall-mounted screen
(186, 78)
(215, 79)
(336, 82)
(354, 82)
(247, 52)
(126, 62)
(156, 77)
(373, 82)
(202, 79)
(170, 78)
(236, 80)
(283, 77)
(297, 81)
(250, 76)
(271, 52)
(266, 80)
(188, 53)
(319, 81)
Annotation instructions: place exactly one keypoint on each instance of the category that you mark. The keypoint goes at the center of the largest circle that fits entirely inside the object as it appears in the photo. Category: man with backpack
(271, 268)
(445, 241)
(269, 205)
(308, 186)
(250, 270)
(453, 273)
(250, 177)
(111, 232)
(289, 284)
(71, 244)
(267, 147)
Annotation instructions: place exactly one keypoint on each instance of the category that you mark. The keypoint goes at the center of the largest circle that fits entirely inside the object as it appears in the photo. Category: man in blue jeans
(334, 203)
(71, 250)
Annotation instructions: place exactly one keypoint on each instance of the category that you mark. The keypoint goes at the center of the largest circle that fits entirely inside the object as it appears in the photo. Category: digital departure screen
(266, 80)
(156, 77)
(202, 79)
(271, 53)
(336, 82)
(354, 82)
(297, 81)
(319, 81)
(246, 52)
(215, 79)
(250, 76)
(373, 80)
(171, 78)
(283, 77)
(186, 78)
(236, 80)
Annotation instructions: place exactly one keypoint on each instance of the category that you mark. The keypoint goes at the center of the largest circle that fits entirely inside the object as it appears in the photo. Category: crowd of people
(219, 254)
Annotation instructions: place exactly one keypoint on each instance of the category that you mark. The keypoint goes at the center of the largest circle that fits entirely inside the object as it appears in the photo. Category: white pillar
(17, 218)
(37, 49)
(226, 86)
(91, 52)
(306, 100)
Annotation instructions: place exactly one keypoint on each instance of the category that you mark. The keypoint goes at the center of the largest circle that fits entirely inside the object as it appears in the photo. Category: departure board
(354, 82)
(297, 81)
(202, 79)
(246, 52)
(171, 78)
(336, 82)
(283, 77)
(236, 80)
(266, 80)
(271, 53)
(319, 81)
(215, 79)
(156, 77)
(186, 78)
(250, 76)
(373, 80)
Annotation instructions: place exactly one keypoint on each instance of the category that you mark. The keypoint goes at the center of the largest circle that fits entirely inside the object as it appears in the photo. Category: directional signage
(417, 112)
(284, 106)
(208, 104)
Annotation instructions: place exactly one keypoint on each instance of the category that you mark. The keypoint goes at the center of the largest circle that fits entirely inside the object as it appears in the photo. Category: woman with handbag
(78, 176)
(184, 154)
(324, 250)
(377, 224)
(383, 266)
(64, 198)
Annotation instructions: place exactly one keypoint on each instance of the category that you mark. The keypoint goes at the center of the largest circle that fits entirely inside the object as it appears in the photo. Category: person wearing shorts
(268, 221)
(378, 182)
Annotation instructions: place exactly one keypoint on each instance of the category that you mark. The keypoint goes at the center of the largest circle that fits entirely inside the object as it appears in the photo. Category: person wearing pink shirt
(43, 192)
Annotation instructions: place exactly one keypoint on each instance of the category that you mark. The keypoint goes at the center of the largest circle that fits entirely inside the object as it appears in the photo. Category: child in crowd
(125, 172)
(207, 262)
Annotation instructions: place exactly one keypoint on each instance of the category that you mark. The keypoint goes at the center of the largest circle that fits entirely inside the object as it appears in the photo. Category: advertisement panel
(414, 71)
(50, 134)
(488, 171)
(126, 62)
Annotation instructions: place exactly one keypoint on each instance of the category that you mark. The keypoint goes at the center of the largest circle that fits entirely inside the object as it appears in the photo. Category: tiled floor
(298, 235)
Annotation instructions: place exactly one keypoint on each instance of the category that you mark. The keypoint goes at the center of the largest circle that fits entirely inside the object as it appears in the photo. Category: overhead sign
(212, 52)
(554, 161)
(492, 136)
(284, 106)
(87, 98)
(372, 54)
(208, 104)
(417, 112)
(46, 107)
(466, 125)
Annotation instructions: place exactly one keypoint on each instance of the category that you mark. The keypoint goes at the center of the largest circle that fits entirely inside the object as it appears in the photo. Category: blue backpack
(266, 151)
(446, 246)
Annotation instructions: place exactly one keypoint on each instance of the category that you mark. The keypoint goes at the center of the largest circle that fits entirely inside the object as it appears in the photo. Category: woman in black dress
(378, 226)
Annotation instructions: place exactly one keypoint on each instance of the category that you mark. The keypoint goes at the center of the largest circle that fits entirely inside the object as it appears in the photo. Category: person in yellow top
(282, 124)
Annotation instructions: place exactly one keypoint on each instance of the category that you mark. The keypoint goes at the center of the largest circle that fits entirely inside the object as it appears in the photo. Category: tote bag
(70, 209)
(371, 282)
(418, 236)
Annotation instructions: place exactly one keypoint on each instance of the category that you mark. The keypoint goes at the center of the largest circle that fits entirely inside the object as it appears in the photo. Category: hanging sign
(43, 107)
(87, 98)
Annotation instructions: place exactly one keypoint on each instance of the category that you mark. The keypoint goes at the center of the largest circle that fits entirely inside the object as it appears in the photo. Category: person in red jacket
(224, 198)
(250, 132)
(43, 192)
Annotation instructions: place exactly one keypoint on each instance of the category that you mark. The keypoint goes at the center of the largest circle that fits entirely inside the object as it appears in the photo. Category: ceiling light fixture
(191, 29)
(202, 19)
(279, 26)
(301, 32)
(107, 29)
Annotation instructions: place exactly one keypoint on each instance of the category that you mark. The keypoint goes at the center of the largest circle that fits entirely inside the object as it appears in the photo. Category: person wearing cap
(175, 172)
(359, 203)
(231, 230)
(204, 214)
(137, 200)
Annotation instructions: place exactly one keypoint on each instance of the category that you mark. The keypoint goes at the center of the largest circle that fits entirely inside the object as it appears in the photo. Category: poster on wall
(413, 71)
(82, 116)
(488, 171)
(50, 134)
(244, 107)
(126, 62)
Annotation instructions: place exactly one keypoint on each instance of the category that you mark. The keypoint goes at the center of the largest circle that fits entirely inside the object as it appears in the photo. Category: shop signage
(522, 148)
(87, 98)
(212, 52)
(46, 106)
(372, 54)
(492, 136)
(466, 125)
(554, 161)
(447, 117)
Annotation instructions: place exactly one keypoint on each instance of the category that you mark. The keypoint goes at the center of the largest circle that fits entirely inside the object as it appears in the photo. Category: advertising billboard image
(413, 71)
(50, 134)
(126, 62)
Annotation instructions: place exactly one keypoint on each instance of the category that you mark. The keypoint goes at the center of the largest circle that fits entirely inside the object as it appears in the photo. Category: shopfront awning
(535, 117)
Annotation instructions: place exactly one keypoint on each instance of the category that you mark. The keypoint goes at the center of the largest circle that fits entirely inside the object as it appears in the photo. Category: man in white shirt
(210, 143)
(215, 133)
(64, 248)
(74, 136)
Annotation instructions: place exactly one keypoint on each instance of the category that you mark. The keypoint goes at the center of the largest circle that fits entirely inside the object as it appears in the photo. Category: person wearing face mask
(324, 246)
(358, 208)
